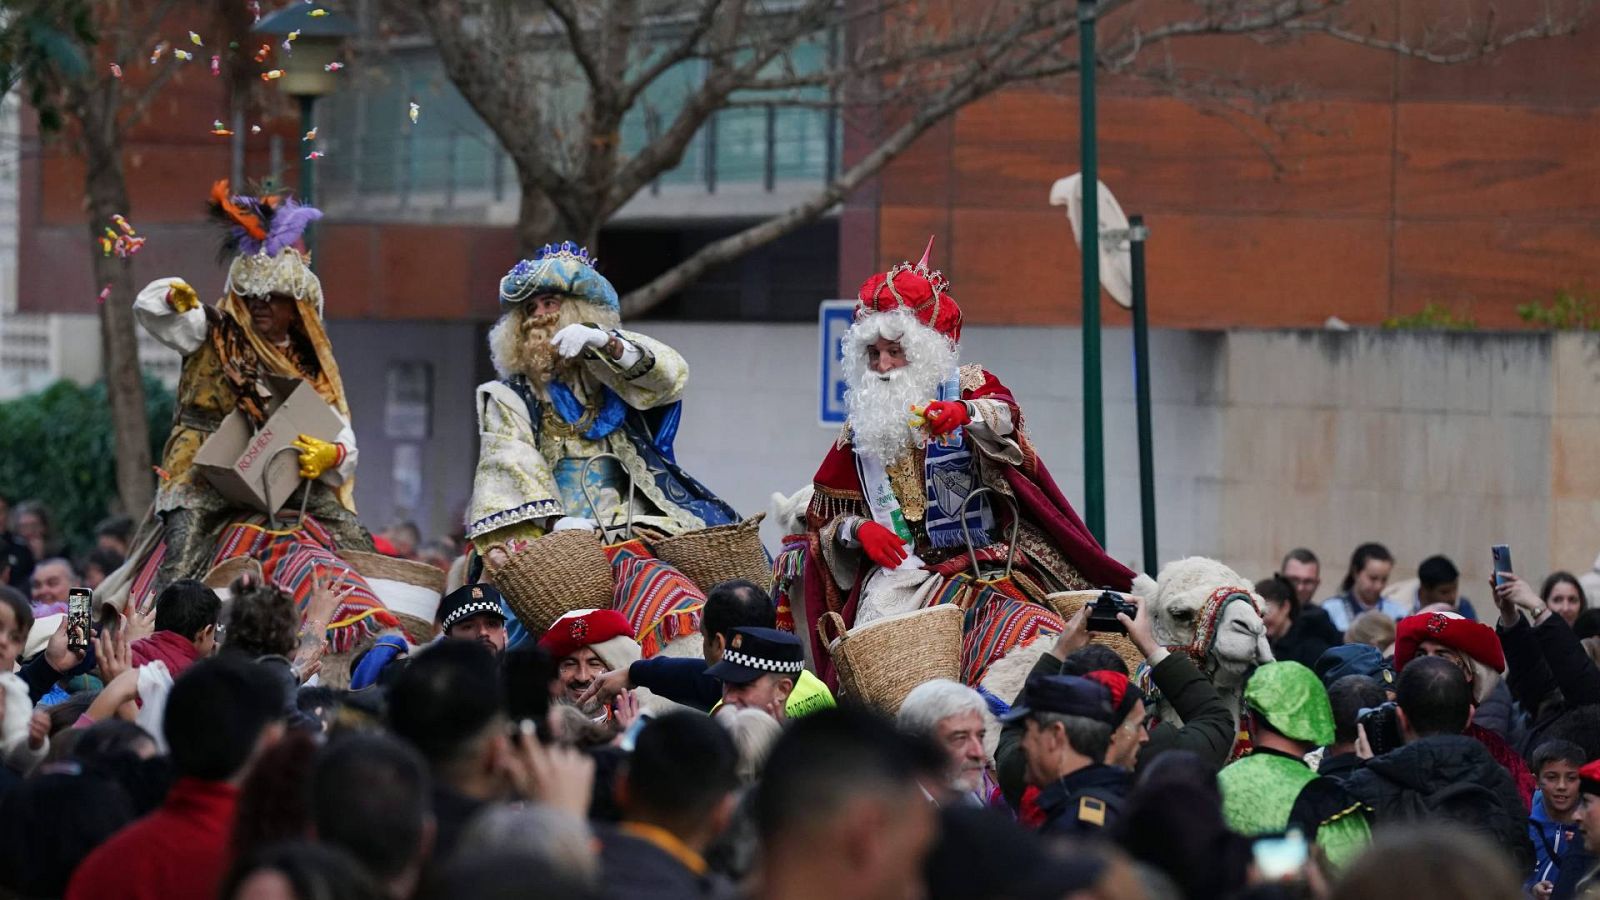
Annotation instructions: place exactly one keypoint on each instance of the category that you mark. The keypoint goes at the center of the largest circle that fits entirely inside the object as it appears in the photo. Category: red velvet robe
(839, 492)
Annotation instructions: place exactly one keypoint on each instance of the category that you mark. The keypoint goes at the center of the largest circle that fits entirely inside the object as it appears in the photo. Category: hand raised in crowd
(1075, 636)
(1142, 630)
(560, 777)
(1514, 594)
(38, 729)
(606, 688)
(58, 654)
(141, 624)
(116, 698)
(625, 711)
(111, 650)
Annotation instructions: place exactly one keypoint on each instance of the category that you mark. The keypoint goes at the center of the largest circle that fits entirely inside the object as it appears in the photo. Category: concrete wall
(1264, 440)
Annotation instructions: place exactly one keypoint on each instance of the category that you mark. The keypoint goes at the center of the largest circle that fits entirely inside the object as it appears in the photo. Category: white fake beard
(879, 405)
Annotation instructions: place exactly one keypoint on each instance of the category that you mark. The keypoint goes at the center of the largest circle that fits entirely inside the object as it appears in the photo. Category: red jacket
(170, 647)
(178, 852)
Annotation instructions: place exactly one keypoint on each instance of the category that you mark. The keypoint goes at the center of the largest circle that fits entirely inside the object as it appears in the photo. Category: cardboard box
(253, 468)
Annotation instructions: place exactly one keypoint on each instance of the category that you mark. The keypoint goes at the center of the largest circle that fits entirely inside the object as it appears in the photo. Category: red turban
(583, 628)
(1474, 639)
(916, 288)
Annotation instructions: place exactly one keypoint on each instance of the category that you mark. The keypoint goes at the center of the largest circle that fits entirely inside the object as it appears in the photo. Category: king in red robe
(894, 507)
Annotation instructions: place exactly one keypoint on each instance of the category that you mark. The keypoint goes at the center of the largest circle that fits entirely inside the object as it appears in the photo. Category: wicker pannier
(409, 589)
(554, 575)
(719, 553)
(881, 662)
(1066, 605)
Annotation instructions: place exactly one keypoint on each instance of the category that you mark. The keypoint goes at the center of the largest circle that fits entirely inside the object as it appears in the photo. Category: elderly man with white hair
(955, 717)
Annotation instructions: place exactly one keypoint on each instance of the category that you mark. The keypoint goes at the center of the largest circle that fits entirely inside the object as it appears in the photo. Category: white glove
(573, 523)
(576, 338)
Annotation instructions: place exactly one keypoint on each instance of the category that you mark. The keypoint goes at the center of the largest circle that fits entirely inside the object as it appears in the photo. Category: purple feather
(249, 245)
(288, 224)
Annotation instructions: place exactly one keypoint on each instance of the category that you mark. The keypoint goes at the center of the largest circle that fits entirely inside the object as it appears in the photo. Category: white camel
(1221, 629)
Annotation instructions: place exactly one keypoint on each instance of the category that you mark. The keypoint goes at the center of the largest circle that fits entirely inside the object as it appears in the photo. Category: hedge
(56, 446)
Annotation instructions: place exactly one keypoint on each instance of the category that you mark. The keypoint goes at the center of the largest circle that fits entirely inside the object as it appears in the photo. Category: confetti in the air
(263, 53)
(218, 128)
(116, 71)
(414, 112)
(183, 55)
(105, 293)
(310, 135)
(216, 66)
(333, 67)
(124, 244)
(272, 75)
(195, 40)
(315, 154)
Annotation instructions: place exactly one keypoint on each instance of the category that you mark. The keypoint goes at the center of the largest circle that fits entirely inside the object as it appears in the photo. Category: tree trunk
(119, 348)
(540, 222)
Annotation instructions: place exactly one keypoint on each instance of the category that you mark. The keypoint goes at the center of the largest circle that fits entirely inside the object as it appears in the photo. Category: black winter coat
(1309, 637)
(1397, 785)
(1542, 661)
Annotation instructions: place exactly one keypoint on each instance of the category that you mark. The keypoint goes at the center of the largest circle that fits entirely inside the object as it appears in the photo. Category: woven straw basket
(881, 662)
(719, 553)
(1066, 605)
(409, 589)
(554, 575)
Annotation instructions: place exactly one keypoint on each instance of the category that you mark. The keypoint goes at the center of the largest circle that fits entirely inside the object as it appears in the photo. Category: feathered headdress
(259, 234)
(265, 224)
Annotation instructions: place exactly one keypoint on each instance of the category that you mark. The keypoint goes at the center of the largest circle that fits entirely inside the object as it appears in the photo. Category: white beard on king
(879, 404)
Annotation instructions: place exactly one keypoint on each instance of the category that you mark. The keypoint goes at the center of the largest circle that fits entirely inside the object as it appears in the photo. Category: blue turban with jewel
(564, 269)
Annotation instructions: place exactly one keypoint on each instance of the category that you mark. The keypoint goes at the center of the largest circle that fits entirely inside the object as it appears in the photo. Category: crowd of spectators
(1404, 744)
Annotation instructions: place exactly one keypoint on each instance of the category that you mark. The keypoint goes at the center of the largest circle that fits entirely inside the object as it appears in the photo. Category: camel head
(1222, 629)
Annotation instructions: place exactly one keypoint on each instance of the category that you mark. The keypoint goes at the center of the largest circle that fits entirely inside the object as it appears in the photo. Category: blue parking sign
(833, 320)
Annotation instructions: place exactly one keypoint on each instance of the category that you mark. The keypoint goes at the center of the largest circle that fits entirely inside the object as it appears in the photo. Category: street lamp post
(319, 40)
(1094, 463)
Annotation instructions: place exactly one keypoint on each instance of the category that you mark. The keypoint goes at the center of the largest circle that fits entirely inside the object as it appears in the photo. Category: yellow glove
(181, 297)
(317, 457)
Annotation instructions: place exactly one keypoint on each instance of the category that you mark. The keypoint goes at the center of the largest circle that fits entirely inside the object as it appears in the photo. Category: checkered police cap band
(764, 665)
(472, 609)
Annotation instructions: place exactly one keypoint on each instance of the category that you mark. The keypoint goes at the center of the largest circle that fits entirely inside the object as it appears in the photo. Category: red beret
(1589, 777)
(582, 628)
(1461, 634)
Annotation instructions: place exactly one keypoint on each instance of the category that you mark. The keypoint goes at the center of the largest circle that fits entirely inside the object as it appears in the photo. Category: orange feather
(250, 222)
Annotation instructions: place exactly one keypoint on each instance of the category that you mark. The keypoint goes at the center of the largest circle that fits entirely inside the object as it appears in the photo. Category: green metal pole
(1141, 392)
(308, 168)
(1094, 464)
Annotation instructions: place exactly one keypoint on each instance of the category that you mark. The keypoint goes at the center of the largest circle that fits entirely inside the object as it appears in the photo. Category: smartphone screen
(79, 601)
(1502, 561)
(1280, 858)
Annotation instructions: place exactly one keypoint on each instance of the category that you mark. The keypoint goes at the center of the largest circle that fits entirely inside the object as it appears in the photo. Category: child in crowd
(1552, 822)
(23, 741)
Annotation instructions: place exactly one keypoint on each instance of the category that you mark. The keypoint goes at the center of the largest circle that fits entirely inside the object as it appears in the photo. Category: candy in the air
(415, 110)
(195, 39)
(218, 128)
(183, 55)
(216, 66)
(116, 71)
(272, 75)
(310, 135)
(315, 154)
(333, 67)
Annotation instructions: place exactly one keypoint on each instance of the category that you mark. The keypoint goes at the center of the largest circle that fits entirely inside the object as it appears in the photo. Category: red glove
(881, 545)
(945, 416)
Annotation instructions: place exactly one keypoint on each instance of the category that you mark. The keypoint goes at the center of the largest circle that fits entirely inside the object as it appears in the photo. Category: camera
(1103, 614)
(1382, 727)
